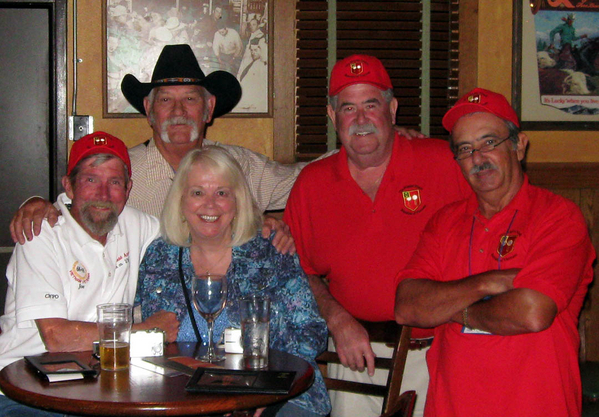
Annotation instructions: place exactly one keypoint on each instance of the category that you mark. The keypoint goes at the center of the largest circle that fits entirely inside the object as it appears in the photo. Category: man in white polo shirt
(91, 256)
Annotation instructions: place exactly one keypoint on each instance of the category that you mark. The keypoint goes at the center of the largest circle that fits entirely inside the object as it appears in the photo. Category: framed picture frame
(555, 72)
(225, 35)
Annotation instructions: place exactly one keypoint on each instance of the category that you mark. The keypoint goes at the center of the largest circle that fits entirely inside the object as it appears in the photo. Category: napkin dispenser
(147, 343)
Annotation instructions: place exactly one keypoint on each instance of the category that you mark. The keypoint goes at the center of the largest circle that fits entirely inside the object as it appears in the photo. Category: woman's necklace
(215, 264)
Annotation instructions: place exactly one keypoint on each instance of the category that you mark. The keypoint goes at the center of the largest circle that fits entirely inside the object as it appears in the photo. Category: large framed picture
(225, 35)
(555, 75)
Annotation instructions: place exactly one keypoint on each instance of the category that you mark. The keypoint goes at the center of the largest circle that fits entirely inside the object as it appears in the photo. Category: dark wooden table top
(139, 391)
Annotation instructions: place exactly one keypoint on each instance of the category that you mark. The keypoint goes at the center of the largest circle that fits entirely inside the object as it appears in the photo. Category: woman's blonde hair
(218, 161)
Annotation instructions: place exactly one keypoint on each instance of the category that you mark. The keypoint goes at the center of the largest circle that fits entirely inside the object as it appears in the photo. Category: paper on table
(140, 363)
(64, 377)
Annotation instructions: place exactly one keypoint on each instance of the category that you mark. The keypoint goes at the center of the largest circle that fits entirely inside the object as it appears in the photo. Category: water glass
(255, 317)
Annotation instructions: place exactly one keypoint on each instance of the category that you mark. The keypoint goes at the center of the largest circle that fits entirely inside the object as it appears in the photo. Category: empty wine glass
(209, 293)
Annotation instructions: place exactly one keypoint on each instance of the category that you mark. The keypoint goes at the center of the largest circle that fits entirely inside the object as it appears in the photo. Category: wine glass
(209, 293)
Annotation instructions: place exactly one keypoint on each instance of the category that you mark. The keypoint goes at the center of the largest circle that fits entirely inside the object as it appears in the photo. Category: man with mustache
(91, 256)
(356, 217)
(501, 276)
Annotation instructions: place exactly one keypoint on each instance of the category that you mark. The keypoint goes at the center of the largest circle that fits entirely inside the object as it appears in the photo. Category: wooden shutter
(389, 30)
(312, 79)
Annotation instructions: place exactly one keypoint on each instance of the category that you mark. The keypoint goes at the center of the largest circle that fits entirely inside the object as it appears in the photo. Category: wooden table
(139, 392)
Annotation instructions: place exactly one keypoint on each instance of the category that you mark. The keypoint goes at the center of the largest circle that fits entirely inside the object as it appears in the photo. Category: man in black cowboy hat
(179, 102)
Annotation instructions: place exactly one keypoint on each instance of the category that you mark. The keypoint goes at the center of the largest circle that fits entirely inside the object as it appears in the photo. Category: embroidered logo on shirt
(506, 244)
(122, 260)
(79, 273)
(412, 199)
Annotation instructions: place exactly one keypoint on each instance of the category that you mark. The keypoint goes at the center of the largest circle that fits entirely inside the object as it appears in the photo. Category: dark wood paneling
(580, 183)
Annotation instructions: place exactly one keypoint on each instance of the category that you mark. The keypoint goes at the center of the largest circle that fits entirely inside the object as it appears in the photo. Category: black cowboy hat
(177, 65)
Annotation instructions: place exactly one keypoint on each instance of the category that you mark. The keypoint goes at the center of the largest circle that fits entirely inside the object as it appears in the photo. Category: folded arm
(514, 312)
(429, 303)
(492, 302)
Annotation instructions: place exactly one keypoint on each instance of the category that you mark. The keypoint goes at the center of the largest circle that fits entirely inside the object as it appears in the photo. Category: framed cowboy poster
(225, 35)
(555, 75)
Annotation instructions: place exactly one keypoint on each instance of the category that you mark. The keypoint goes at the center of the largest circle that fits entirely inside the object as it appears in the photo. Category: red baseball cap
(96, 143)
(358, 69)
(480, 100)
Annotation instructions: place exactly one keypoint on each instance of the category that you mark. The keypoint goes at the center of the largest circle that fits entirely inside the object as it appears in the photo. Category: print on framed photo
(225, 35)
(555, 75)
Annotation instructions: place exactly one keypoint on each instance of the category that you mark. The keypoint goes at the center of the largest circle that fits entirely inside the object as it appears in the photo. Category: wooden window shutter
(311, 79)
(389, 30)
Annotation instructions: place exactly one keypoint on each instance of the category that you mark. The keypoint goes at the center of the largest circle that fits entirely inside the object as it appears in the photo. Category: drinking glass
(114, 325)
(209, 293)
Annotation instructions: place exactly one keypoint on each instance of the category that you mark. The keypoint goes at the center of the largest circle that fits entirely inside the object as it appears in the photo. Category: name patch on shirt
(79, 273)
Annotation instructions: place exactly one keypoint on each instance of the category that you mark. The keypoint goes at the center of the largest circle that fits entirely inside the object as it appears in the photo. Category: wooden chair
(393, 335)
(404, 406)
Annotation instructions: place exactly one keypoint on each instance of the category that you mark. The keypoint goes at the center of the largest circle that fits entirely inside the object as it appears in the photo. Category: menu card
(55, 367)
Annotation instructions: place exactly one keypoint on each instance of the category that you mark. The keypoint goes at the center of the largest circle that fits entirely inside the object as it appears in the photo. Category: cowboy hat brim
(221, 84)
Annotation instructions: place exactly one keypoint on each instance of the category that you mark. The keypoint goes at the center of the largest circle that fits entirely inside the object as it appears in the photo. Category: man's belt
(419, 344)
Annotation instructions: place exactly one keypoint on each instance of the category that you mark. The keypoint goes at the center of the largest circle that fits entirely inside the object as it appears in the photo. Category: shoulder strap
(186, 295)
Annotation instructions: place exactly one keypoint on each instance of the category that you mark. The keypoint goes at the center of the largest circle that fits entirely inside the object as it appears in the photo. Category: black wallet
(240, 381)
(55, 367)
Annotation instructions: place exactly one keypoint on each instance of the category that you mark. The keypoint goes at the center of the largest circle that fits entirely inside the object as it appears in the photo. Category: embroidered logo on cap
(79, 273)
(356, 67)
(100, 141)
(506, 244)
(411, 199)
(475, 98)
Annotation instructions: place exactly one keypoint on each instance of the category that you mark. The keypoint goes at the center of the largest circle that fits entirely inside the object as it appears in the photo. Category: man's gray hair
(100, 158)
(513, 132)
(205, 96)
(387, 96)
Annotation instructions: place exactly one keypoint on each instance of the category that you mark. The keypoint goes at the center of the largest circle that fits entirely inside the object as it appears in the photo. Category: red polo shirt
(361, 245)
(533, 374)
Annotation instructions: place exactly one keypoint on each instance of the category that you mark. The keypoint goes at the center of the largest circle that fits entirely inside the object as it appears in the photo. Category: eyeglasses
(466, 151)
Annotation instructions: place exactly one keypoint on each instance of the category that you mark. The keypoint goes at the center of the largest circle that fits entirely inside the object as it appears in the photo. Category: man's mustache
(362, 129)
(99, 204)
(482, 167)
(179, 120)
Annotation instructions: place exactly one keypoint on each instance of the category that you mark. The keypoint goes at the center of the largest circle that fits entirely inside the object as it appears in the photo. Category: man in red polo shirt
(356, 217)
(503, 276)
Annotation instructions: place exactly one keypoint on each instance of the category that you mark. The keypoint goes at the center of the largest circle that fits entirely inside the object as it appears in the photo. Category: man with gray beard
(91, 256)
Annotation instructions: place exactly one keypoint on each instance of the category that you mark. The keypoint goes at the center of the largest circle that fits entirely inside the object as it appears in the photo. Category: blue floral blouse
(296, 327)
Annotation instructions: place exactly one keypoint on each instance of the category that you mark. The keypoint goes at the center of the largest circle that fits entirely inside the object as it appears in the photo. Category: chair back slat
(393, 335)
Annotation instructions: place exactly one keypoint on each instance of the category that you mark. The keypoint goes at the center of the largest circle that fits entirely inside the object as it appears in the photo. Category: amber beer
(114, 326)
(114, 355)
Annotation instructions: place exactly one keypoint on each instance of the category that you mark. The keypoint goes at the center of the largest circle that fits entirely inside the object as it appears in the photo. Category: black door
(32, 108)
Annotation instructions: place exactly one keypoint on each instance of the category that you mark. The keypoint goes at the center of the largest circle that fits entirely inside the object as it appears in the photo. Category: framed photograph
(226, 35)
(555, 76)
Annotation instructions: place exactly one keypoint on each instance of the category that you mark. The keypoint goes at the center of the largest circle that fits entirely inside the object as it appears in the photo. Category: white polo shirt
(65, 273)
